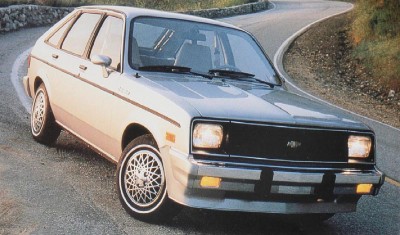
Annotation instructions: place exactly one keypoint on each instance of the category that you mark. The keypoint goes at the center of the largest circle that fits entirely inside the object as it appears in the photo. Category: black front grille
(287, 143)
(266, 143)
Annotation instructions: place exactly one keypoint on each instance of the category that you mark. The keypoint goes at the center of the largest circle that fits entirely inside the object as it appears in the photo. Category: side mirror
(102, 60)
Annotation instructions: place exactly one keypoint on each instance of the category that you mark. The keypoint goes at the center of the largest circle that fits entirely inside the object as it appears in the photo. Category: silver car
(193, 113)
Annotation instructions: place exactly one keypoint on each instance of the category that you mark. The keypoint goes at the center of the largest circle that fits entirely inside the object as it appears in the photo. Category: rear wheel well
(132, 132)
(37, 83)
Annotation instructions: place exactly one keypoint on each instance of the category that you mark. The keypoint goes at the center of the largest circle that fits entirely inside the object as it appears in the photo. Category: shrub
(376, 36)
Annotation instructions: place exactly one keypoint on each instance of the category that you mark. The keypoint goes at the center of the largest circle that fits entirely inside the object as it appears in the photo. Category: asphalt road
(68, 189)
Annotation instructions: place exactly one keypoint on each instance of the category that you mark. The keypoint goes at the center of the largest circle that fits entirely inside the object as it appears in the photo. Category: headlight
(207, 135)
(359, 146)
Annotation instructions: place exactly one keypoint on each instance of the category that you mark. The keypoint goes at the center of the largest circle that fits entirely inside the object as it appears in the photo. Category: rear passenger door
(73, 99)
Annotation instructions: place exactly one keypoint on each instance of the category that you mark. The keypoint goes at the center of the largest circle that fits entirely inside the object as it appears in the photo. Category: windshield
(198, 46)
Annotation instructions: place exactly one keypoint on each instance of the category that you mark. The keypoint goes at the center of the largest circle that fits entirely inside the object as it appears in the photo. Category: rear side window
(108, 41)
(55, 39)
(78, 37)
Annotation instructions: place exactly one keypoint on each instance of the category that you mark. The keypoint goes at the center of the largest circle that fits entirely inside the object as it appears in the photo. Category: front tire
(142, 184)
(44, 129)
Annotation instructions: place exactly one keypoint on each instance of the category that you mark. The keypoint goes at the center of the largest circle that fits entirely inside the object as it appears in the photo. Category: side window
(80, 32)
(55, 38)
(108, 41)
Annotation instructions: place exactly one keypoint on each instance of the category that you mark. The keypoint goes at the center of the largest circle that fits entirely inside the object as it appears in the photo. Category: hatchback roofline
(133, 12)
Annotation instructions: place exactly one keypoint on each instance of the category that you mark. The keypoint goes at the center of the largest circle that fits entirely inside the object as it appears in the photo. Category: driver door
(108, 42)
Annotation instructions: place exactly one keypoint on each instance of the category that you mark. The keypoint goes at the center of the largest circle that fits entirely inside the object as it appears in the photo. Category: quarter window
(108, 41)
(79, 35)
(55, 39)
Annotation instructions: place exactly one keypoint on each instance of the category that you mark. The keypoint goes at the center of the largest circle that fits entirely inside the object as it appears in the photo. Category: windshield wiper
(230, 73)
(238, 75)
(165, 68)
(173, 69)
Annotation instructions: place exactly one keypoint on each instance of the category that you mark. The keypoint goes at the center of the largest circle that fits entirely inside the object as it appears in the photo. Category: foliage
(376, 36)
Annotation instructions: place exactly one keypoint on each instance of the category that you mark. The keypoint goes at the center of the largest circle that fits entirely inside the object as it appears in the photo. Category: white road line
(17, 82)
(282, 49)
(273, 6)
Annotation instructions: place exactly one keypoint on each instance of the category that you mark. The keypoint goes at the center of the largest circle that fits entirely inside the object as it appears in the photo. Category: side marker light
(170, 137)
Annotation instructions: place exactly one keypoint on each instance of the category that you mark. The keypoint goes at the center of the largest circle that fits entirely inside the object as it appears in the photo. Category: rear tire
(142, 184)
(44, 129)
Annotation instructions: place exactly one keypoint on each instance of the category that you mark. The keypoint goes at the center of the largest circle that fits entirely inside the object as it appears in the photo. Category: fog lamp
(210, 182)
(359, 146)
(364, 188)
(207, 136)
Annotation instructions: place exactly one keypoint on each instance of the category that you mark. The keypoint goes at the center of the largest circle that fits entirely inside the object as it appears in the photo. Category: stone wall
(231, 11)
(14, 17)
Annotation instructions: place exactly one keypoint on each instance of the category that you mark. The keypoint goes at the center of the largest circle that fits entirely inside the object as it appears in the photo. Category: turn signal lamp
(364, 188)
(210, 182)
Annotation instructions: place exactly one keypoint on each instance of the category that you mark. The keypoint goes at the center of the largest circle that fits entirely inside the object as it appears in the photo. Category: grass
(168, 5)
(376, 36)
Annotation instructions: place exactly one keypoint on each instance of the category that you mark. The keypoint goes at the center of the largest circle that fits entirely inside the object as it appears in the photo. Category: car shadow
(222, 222)
(72, 148)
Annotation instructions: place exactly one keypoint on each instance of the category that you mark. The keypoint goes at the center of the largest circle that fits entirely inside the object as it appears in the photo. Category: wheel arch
(36, 83)
(132, 131)
(39, 78)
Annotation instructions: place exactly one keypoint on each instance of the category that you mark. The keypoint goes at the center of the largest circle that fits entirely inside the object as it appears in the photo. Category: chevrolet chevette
(193, 113)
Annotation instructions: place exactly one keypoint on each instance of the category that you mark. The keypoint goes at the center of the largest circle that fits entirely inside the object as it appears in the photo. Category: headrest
(195, 36)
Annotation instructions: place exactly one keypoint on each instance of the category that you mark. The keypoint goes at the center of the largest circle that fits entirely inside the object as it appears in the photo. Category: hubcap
(144, 178)
(38, 112)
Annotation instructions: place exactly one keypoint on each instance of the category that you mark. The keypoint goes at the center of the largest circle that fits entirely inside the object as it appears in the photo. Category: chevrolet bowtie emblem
(293, 144)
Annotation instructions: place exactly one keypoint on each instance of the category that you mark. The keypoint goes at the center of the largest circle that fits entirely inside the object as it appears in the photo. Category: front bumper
(265, 189)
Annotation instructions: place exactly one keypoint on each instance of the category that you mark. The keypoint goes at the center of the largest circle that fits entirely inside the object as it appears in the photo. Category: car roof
(132, 12)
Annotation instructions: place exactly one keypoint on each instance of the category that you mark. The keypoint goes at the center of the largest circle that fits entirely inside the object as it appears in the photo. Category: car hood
(249, 101)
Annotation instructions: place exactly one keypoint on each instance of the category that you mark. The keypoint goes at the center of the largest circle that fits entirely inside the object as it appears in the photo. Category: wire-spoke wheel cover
(144, 179)
(38, 112)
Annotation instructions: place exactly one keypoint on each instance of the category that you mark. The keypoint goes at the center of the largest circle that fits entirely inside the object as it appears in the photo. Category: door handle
(83, 67)
(55, 56)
